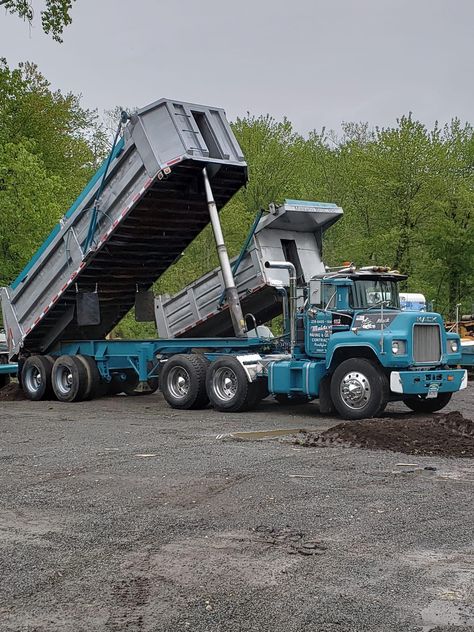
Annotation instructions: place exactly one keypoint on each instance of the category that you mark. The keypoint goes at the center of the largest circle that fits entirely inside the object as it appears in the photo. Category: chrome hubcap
(64, 380)
(355, 390)
(179, 382)
(33, 379)
(224, 383)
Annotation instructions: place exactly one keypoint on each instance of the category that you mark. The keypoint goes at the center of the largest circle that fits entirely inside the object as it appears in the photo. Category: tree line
(407, 190)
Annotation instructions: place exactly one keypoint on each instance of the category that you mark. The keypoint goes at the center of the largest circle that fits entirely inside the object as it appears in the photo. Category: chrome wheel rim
(179, 382)
(33, 379)
(64, 380)
(225, 383)
(355, 390)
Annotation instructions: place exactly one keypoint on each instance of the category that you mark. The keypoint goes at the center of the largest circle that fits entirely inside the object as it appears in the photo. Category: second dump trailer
(290, 232)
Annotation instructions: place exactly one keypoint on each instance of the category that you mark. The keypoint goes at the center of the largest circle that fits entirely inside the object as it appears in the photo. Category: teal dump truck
(345, 340)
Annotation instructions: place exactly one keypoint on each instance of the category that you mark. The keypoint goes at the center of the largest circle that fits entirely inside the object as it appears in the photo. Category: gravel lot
(122, 514)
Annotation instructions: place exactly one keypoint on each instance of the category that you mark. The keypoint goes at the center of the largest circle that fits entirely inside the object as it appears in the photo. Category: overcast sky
(318, 62)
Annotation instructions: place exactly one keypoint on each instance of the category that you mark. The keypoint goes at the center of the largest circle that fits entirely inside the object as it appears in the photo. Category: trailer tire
(422, 405)
(228, 387)
(183, 381)
(94, 381)
(359, 389)
(69, 378)
(36, 377)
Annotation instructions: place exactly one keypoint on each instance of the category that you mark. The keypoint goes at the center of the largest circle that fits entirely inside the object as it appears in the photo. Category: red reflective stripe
(174, 161)
(136, 197)
(64, 287)
(36, 321)
(27, 331)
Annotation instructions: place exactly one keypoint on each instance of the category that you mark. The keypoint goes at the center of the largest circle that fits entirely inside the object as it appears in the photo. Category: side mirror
(315, 289)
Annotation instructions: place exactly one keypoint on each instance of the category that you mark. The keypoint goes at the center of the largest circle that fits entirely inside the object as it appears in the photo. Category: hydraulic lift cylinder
(231, 293)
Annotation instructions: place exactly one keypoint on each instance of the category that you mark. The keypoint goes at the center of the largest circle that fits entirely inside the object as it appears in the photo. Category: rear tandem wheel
(35, 377)
(70, 379)
(228, 387)
(183, 381)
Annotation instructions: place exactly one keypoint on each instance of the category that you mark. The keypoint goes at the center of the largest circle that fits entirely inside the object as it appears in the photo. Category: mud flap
(87, 309)
(326, 407)
(145, 307)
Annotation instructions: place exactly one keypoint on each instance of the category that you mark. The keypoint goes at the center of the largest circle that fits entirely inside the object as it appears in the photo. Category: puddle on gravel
(441, 613)
(255, 435)
(452, 589)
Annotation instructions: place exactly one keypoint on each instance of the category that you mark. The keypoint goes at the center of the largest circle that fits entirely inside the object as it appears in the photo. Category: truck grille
(426, 343)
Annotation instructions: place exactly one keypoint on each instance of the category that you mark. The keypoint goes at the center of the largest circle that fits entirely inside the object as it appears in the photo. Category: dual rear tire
(73, 379)
(190, 381)
(67, 378)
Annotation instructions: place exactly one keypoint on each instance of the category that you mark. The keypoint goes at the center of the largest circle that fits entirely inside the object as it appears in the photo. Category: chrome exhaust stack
(286, 265)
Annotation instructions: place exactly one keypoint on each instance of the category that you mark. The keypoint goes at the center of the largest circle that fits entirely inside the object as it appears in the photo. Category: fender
(346, 345)
(252, 365)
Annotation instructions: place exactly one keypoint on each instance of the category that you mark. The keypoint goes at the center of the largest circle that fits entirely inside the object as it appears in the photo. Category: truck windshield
(368, 293)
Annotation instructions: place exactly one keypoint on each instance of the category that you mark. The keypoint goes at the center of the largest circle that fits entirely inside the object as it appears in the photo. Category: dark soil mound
(441, 435)
(11, 393)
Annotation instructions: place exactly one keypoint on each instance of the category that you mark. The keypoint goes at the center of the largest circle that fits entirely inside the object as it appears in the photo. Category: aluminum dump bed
(291, 232)
(152, 205)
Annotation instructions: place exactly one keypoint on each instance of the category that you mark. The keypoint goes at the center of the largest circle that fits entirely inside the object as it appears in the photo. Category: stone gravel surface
(121, 514)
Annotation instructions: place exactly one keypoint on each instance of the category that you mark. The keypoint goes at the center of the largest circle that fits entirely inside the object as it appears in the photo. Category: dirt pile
(11, 393)
(442, 435)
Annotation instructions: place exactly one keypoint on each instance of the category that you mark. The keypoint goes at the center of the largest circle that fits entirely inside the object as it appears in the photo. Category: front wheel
(359, 389)
(420, 404)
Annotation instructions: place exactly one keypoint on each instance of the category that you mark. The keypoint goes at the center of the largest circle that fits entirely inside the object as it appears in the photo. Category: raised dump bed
(290, 232)
(152, 204)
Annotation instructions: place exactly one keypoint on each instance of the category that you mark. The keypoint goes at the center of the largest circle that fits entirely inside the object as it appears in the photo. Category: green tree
(49, 148)
(55, 16)
(450, 237)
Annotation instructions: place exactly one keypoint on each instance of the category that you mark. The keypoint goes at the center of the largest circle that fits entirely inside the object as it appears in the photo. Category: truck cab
(352, 321)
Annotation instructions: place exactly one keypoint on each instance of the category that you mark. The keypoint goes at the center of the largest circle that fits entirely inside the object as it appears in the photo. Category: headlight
(399, 347)
(454, 346)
